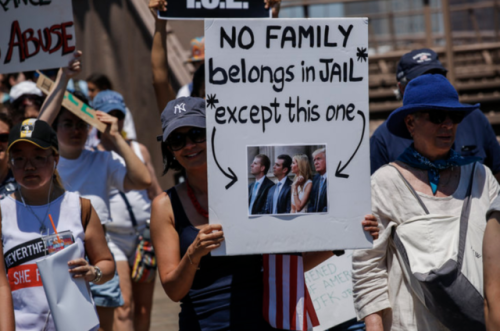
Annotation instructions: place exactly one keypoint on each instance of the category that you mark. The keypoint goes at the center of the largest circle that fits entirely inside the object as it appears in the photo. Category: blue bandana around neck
(413, 158)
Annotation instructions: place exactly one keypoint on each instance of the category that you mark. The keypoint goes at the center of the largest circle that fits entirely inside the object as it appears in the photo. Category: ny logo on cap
(180, 107)
(422, 57)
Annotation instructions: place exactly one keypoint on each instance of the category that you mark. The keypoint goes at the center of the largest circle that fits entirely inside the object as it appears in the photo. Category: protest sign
(200, 9)
(330, 288)
(35, 35)
(70, 300)
(297, 88)
(72, 103)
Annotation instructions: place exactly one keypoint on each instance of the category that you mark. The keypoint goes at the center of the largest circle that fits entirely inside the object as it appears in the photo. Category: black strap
(129, 208)
(411, 189)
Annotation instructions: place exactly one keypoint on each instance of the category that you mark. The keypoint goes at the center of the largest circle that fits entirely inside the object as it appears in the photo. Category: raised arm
(491, 266)
(52, 105)
(98, 252)
(154, 189)
(159, 58)
(176, 273)
(137, 176)
(275, 5)
(7, 322)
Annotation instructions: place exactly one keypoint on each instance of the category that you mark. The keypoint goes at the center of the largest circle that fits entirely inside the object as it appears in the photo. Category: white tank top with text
(22, 247)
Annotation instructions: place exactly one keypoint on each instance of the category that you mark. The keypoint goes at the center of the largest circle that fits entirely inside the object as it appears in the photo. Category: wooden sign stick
(72, 103)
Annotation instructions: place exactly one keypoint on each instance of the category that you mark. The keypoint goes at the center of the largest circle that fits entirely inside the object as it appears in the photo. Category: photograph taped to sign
(36, 35)
(201, 9)
(287, 179)
(288, 82)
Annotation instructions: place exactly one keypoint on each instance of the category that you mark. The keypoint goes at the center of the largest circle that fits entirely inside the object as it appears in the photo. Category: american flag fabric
(287, 304)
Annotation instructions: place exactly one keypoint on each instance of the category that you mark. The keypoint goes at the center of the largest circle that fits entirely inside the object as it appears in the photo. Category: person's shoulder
(384, 173)
(381, 131)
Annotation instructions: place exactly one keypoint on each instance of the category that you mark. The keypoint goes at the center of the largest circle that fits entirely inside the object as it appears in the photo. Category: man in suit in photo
(318, 202)
(279, 196)
(257, 191)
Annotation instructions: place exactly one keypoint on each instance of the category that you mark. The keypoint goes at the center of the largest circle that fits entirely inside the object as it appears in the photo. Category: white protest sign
(330, 288)
(297, 88)
(35, 34)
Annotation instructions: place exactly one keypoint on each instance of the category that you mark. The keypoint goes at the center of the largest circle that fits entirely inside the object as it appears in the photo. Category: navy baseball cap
(418, 62)
(108, 100)
(184, 111)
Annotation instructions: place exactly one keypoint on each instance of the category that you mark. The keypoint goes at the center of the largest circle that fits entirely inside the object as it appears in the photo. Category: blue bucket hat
(108, 100)
(427, 92)
(184, 111)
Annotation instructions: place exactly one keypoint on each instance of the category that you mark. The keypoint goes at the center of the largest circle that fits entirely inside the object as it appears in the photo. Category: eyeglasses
(37, 161)
(73, 126)
(4, 137)
(176, 141)
(439, 116)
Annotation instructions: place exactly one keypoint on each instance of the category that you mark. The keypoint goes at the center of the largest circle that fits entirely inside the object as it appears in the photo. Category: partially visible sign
(330, 288)
(35, 35)
(72, 103)
(200, 9)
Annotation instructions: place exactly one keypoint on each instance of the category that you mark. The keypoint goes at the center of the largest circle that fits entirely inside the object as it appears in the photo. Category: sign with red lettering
(35, 35)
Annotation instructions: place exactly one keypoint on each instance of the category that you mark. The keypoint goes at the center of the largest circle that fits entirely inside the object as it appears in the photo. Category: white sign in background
(35, 35)
(330, 288)
(288, 82)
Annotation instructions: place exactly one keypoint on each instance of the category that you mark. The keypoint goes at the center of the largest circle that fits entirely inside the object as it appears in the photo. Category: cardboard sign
(72, 103)
(200, 9)
(330, 288)
(279, 90)
(35, 35)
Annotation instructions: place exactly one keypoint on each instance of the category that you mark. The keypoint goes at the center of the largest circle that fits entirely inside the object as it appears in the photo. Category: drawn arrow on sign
(231, 176)
(339, 173)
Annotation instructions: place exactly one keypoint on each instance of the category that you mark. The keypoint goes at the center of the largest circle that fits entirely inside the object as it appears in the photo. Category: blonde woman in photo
(302, 183)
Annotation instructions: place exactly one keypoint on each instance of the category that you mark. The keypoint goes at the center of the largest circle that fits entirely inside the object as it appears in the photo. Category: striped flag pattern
(287, 304)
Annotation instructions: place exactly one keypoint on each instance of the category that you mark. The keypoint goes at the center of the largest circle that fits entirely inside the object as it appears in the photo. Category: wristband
(98, 274)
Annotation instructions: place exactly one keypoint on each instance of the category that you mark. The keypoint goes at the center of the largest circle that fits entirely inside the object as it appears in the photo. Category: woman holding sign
(431, 205)
(221, 293)
(38, 209)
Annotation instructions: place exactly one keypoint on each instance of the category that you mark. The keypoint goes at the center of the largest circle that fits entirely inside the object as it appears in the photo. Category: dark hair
(199, 82)
(169, 161)
(101, 81)
(18, 107)
(6, 119)
(264, 160)
(77, 94)
(287, 162)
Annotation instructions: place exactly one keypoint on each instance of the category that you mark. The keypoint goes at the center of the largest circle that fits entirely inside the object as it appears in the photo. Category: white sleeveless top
(301, 193)
(139, 201)
(22, 247)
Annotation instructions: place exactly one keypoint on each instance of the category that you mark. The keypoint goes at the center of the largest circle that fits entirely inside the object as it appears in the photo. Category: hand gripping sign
(35, 34)
(72, 103)
(287, 114)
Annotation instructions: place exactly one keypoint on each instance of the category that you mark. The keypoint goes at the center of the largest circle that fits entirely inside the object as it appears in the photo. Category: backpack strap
(86, 212)
(411, 189)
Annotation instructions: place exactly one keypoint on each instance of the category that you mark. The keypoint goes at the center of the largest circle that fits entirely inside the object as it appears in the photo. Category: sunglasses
(4, 137)
(176, 141)
(439, 116)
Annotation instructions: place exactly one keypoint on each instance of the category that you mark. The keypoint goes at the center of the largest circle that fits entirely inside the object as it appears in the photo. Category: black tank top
(227, 291)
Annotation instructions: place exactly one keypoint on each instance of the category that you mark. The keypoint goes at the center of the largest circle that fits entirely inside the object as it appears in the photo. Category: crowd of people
(435, 218)
(303, 194)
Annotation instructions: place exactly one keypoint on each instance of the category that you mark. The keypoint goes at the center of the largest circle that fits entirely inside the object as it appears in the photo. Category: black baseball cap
(184, 111)
(418, 62)
(34, 131)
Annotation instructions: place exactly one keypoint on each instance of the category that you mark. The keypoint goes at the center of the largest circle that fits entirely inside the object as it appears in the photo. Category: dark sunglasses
(439, 116)
(176, 141)
(4, 137)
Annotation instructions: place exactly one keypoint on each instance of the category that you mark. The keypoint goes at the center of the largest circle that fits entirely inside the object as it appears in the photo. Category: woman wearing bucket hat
(39, 208)
(420, 273)
(223, 293)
